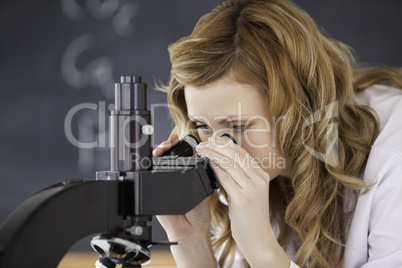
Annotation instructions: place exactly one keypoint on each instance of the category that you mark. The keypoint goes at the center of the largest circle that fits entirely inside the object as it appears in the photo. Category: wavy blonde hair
(277, 47)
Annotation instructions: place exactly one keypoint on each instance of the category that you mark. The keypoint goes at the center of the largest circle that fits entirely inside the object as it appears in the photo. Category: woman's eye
(240, 128)
(203, 127)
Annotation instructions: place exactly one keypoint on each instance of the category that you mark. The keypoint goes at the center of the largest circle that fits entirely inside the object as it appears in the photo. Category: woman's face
(226, 106)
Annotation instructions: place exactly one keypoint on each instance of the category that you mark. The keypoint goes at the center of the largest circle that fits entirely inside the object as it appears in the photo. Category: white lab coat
(375, 236)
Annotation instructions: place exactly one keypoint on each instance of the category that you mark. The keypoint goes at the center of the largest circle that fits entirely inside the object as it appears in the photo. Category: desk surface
(162, 259)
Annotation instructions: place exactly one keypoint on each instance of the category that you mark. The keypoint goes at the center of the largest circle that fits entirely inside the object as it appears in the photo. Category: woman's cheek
(263, 153)
(255, 143)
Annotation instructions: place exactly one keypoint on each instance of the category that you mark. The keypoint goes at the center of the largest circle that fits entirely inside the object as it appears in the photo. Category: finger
(227, 165)
(157, 152)
(163, 147)
(228, 183)
(234, 159)
(173, 137)
(238, 154)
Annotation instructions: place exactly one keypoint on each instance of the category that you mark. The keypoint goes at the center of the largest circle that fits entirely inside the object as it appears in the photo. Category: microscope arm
(42, 229)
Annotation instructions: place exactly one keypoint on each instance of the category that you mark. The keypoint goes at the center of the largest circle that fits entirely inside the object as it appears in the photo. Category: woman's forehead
(224, 97)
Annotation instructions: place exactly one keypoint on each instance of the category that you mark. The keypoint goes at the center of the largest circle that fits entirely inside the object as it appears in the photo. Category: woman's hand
(178, 227)
(247, 187)
(191, 231)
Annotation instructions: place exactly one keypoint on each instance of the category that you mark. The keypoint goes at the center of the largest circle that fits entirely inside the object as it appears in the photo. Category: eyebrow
(225, 118)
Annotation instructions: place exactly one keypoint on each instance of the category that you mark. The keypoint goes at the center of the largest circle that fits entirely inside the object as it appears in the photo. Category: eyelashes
(237, 128)
(240, 128)
(203, 128)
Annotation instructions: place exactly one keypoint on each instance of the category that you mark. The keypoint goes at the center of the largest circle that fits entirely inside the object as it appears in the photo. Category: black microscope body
(115, 207)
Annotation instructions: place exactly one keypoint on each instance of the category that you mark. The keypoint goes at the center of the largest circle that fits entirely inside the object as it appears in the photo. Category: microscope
(116, 207)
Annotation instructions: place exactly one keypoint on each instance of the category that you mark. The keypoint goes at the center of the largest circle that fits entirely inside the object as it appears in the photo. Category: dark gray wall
(55, 55)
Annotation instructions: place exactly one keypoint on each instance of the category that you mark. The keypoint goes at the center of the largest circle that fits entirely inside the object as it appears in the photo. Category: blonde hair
(277, 47)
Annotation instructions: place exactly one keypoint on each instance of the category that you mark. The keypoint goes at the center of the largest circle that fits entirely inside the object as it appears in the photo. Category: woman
(314, 180)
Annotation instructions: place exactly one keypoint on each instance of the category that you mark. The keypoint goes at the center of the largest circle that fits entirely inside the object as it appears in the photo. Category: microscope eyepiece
(183, 147)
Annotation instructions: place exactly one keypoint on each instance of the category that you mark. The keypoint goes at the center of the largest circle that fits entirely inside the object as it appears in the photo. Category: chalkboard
(58, 55)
